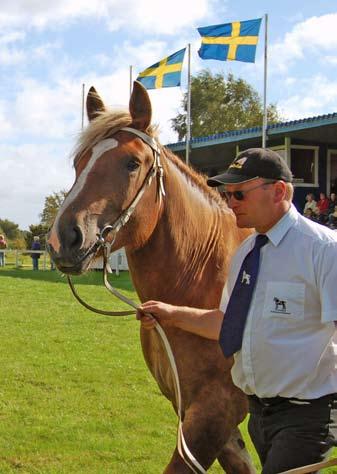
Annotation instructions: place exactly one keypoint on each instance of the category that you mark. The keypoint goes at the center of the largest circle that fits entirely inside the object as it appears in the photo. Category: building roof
(284, 128)
(213, 154)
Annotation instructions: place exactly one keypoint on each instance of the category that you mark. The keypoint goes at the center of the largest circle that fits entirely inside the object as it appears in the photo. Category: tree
(219, 104)
(52, 204)
(10, 229)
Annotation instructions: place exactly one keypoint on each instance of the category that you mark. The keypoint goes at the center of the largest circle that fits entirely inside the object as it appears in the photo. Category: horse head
(115, 161)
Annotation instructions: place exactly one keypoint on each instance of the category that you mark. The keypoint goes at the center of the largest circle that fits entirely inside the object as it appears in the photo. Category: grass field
(75, 394)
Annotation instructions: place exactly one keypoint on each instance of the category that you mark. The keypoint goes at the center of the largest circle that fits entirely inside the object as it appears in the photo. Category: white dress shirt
(289, 344)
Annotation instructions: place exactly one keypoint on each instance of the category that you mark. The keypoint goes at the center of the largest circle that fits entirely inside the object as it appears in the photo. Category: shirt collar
(276, 233)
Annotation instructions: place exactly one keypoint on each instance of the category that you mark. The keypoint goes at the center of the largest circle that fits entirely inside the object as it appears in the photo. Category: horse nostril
(76, 237)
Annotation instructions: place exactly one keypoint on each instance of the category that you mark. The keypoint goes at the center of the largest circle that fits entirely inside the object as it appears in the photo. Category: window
(304, 164)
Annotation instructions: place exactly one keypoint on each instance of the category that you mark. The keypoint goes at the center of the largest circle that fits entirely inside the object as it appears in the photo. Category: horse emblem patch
(245, 278)
(280, 306)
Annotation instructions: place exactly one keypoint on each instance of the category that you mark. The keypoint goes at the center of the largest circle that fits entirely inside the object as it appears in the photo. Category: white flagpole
(130, 80)
(188, 118)
(82, 123)
(265, 118)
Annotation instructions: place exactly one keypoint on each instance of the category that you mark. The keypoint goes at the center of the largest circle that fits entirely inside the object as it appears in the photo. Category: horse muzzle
(69, 253)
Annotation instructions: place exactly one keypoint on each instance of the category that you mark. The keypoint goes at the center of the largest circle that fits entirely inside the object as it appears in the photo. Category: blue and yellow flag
(235, 41)
(165, 73)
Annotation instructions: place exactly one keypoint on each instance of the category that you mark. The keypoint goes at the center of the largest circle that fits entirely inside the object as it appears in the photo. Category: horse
(279, 304)
(178, 239)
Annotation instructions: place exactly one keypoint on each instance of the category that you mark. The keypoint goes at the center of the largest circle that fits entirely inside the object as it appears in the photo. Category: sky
(48, 50)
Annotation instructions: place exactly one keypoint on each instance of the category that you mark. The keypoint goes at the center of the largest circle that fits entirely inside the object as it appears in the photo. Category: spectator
(322, 206)
(333, 219)
(35, 256)
(310, 204)
(3, 246)
(310, 214)
(332, 203)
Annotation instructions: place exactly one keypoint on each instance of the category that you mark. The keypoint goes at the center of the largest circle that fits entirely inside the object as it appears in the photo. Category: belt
(267, 402)
(272, 401)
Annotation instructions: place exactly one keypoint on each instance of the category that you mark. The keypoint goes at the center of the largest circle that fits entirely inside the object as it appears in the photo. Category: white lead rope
(183, 449)
(311, 467)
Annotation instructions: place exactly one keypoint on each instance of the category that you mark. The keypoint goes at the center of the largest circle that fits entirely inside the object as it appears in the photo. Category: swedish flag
(235, 41)
(165, 73)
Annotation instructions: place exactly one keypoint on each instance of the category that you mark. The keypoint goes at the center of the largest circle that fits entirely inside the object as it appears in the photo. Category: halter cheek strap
(156, 150)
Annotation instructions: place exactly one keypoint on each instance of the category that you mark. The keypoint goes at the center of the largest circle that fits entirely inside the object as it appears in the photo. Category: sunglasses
(240, 195)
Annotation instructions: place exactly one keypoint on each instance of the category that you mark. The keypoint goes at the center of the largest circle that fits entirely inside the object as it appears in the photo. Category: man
(286, 358)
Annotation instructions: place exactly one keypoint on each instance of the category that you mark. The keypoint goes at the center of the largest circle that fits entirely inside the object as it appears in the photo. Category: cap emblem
(238, 163)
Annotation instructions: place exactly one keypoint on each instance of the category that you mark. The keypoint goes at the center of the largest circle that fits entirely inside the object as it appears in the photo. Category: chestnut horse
(178, 247)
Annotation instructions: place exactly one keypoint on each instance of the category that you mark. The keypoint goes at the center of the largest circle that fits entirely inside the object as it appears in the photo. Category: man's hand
(150, 311)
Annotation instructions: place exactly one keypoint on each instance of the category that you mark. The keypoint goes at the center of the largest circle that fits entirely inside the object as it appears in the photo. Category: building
(308, 145)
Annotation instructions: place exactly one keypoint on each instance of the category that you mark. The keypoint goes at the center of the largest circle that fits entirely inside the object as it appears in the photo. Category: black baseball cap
(251, 164)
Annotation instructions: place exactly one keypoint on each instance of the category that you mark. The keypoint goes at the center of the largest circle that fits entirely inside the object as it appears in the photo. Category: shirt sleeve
(326, 274)
(232, 276)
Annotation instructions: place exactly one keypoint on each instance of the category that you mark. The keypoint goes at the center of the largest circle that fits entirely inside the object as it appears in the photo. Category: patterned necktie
(239, 302)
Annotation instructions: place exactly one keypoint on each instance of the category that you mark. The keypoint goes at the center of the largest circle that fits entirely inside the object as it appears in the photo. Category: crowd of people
(323, 211)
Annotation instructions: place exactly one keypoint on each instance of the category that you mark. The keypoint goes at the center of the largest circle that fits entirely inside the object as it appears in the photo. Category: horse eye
(132, 165)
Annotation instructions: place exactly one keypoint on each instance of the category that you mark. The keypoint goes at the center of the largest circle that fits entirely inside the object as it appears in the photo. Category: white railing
(15, 257)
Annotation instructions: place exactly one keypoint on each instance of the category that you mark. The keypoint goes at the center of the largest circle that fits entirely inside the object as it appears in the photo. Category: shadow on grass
(123, 281)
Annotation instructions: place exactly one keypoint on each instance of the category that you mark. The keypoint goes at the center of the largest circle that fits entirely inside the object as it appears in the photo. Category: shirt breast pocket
(284, 300)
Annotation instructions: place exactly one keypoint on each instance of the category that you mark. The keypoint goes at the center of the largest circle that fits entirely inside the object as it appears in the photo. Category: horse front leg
(204, 435)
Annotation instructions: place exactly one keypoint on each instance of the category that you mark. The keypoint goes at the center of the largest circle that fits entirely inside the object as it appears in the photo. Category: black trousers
(289, 433)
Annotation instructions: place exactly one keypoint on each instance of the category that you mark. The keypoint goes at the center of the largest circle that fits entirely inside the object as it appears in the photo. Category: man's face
(257, 205)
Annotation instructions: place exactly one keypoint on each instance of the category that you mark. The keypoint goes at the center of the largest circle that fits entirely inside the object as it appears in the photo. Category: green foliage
(219, 104)
(52, 204)
(10, 229)
(19, 243)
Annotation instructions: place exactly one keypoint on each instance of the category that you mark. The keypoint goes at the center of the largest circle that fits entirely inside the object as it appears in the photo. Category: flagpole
(82, 123)
(130, 80)
(188, 119)
(265, 118)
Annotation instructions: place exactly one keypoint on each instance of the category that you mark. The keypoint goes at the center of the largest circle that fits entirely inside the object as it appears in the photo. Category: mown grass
(75, 393)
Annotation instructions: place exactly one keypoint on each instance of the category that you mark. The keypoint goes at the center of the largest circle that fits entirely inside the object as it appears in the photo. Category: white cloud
(29, 173)
(314, 95)
(151, 15)
(314, 36)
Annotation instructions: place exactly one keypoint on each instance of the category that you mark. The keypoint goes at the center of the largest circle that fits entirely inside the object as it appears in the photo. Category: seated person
(310, 214)
(322, 206)
(310, 204)
(332, 203)
(333, 219)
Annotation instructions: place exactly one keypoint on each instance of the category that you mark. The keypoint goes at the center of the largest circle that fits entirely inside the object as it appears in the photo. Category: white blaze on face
(97, 151)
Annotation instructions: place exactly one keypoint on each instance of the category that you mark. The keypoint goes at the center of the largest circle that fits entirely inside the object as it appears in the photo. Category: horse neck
(187, 250)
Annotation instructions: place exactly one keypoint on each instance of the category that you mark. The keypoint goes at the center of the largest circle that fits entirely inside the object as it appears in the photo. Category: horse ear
(140, 107)
(95, 104)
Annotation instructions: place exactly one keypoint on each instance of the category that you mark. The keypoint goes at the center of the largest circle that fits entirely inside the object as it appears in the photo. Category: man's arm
(203, 322)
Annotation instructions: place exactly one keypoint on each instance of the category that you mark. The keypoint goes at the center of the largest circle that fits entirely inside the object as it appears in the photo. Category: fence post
(117, 264)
